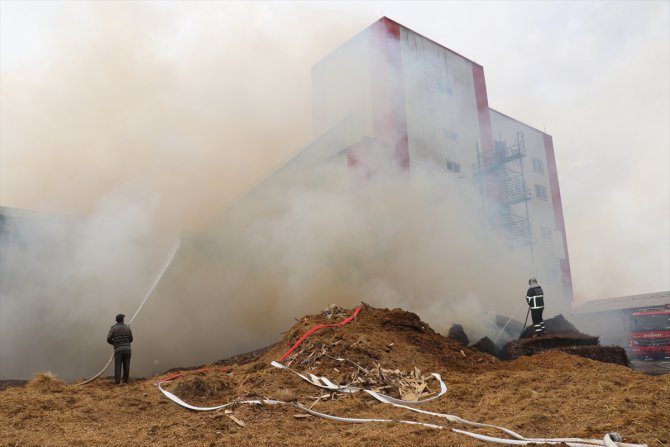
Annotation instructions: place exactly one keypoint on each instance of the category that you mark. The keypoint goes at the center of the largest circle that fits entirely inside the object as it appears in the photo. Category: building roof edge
(519, 121)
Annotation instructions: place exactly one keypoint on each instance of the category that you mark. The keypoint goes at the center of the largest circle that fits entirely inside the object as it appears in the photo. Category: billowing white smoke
(145, 140)
(64, 279)
(315, 236)
(138, 120)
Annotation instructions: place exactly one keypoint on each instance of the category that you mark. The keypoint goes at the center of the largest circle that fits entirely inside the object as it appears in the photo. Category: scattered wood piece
(237, 421)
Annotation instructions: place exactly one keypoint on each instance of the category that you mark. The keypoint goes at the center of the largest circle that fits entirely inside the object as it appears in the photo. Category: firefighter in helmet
(535, 299)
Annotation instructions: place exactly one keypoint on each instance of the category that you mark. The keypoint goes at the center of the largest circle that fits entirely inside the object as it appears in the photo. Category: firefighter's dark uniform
(535, 299)
(120, 336)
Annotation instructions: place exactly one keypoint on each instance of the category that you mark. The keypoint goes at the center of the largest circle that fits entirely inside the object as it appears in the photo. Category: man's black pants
(121, 359)
(538, 322)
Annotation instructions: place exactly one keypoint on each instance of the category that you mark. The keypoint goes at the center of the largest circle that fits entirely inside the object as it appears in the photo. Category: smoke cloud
(131, 123)
(313, 237)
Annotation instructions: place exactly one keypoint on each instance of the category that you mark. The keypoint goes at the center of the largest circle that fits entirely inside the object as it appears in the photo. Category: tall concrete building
(392, 91)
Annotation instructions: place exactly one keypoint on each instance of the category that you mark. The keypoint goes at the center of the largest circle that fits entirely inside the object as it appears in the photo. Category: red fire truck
(650, 333)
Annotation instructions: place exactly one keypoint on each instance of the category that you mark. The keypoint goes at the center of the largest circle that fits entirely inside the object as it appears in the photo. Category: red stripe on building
(389, 117)
(559, 221)
(482, 99)
(485, 132)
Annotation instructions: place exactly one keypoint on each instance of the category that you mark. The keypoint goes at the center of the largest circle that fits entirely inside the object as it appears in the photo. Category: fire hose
(525, 322)
(316, 328)
(173, 251)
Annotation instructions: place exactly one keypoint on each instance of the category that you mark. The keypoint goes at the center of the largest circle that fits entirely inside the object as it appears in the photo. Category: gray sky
(93, 93)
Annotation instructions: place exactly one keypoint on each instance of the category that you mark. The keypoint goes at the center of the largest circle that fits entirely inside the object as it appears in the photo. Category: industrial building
(393, 91)
(390, 99)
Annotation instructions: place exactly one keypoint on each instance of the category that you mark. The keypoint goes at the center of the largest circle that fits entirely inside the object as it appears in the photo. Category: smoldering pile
(392, 352)
(559, 334)
(389, 351)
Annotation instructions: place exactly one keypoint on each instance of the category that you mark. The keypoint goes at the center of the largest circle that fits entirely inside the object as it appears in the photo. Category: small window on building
(547, 233)
(538, 166)
(453, 166)
(450, 135)
(541, 192)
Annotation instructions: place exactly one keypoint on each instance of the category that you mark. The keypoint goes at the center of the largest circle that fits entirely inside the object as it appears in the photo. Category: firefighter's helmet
(532, 281)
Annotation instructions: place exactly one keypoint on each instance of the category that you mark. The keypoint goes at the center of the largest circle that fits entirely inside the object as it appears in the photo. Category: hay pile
(46, 382)
(390, 350)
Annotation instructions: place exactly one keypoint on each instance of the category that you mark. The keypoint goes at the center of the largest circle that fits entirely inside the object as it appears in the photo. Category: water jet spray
(146, 297)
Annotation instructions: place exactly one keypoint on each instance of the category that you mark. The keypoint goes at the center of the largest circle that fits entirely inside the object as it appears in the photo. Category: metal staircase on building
(518, 227)
(511, 186)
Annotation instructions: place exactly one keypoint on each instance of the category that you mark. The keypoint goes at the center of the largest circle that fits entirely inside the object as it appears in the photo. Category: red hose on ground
(316, 328)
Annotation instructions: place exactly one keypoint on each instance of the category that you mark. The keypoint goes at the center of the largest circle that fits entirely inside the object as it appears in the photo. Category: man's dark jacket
(120, 336)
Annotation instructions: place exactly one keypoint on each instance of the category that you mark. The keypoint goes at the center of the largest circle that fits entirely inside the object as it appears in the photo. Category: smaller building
(612, 319)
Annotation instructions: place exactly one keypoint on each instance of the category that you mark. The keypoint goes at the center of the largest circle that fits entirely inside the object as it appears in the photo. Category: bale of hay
(529, 346)
(605, 354)
(457, 332)
(486, 345)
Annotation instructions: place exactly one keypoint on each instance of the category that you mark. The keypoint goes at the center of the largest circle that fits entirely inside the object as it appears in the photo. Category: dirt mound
(391, 351)
(394, 338)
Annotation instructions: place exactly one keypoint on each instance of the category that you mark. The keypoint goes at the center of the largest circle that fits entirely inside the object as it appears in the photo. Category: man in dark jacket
(535, 299)
(120, 336)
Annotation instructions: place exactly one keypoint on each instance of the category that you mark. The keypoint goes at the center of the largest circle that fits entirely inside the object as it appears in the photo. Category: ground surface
(552, 394)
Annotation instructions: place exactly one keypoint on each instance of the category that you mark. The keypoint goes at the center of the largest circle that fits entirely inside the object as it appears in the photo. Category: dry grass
(46, 381)
(286, 395)
(551, 394)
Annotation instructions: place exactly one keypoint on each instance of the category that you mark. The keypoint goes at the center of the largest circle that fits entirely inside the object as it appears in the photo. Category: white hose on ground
(408, 405)
(323, 382)
(571, 442)
(175, 247)
(609, 440)
(179, 401)
(365, 420)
